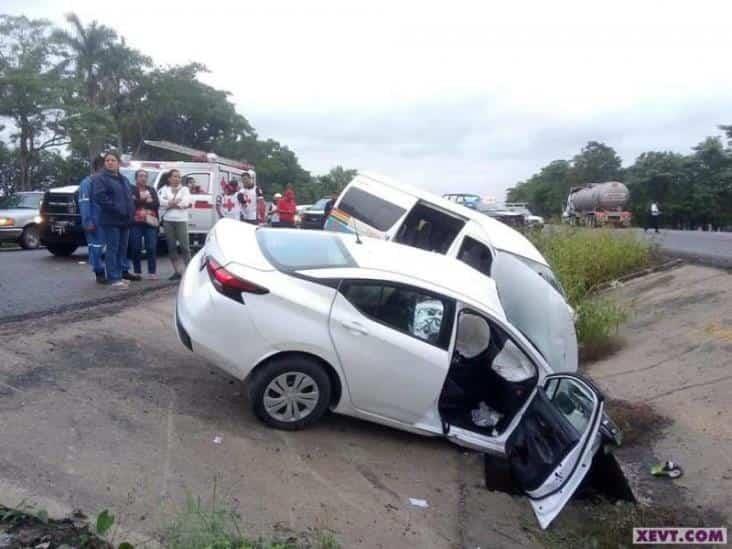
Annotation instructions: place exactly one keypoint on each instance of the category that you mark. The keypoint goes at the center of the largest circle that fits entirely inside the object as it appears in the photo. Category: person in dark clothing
(90, 221)
(329, 207)
(113, 195)
(146, 225)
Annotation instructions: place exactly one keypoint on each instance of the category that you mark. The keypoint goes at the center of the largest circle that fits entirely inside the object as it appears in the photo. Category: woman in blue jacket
(113, 195)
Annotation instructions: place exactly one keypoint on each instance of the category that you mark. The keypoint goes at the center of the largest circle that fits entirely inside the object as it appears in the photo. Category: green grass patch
(584, 260)
(198, 526)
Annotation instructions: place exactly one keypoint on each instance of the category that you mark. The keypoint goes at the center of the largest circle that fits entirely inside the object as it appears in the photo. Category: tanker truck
(597, 205)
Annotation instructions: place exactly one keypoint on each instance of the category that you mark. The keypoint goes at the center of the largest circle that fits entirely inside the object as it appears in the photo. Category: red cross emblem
(229, 204)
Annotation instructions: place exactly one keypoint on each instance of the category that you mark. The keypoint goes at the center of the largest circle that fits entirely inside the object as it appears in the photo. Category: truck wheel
(30, 238)
(62, 250)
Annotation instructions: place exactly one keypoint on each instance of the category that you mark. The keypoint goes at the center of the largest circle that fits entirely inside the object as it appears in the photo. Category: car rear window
(370, 209)
(303, 250)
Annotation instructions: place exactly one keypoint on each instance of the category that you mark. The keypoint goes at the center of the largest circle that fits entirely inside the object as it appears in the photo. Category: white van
(379, 207)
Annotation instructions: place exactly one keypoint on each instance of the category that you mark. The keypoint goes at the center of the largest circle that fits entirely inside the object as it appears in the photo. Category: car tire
(30, 239)
(290, 373)
(62, 250)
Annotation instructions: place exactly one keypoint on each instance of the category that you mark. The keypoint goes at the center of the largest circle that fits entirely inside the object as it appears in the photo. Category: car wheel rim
(291, 396)
(31, 239)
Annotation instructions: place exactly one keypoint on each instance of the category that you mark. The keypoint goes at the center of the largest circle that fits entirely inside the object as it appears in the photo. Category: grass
(215, 527)
(584, 260)
(605, 525)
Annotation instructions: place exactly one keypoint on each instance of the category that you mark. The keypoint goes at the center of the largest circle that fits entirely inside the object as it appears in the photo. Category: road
(33, 281)
(707, 247)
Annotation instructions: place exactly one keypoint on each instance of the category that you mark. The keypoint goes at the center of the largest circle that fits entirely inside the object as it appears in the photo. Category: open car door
(551, 448)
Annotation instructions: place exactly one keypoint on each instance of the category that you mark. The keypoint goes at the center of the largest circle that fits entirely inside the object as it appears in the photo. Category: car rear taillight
(230, 285)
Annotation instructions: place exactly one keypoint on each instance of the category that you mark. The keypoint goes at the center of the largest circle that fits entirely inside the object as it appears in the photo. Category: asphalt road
(708, 247)
(36, 281)
(32, 281)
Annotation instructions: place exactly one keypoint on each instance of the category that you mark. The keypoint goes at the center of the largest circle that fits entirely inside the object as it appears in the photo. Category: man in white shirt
(247, 197)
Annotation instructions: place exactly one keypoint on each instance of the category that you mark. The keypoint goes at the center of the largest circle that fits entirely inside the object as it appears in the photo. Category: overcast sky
(454, 96)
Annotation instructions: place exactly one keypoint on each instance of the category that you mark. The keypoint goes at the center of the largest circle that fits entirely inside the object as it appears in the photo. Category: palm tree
(87, 53)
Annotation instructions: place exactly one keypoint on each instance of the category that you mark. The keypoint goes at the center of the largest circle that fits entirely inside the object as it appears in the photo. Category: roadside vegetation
(199, 526)
(585, 260)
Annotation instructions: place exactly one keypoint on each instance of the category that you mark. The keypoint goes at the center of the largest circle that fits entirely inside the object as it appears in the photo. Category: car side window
(477, 255)
(370, 209)
(410, 310)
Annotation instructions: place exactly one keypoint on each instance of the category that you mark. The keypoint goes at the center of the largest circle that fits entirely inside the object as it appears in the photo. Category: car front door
(551, 449)
(392, 341)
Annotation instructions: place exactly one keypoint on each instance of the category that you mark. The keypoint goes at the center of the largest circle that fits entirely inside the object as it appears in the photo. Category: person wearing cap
(90, 222)
(287, 208)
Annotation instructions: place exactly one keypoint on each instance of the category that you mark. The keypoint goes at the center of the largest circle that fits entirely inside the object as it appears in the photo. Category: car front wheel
(30, 238)
(290, 393)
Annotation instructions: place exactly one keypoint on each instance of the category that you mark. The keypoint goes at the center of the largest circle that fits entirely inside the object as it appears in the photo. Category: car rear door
(392, 341)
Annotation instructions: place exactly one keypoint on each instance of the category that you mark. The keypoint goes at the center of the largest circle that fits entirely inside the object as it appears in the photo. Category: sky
(458, 96)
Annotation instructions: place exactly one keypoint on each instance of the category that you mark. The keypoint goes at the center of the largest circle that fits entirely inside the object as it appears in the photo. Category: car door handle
(355, 327)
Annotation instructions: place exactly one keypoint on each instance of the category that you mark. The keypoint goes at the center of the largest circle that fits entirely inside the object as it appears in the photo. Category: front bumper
(8, 234)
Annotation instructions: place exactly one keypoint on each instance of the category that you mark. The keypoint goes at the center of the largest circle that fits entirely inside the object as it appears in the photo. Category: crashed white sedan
(392, 334)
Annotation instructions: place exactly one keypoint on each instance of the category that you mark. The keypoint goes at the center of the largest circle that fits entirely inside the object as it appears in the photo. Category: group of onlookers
(118, 219)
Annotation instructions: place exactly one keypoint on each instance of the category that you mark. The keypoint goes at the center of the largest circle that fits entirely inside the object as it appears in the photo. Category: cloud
(470, 96)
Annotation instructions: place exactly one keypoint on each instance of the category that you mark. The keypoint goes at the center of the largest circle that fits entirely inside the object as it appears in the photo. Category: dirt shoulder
(104, 409)
(674, 374)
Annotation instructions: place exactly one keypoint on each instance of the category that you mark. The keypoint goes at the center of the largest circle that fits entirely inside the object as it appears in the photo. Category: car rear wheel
(30, 239)
(290, 393)
(62, 250)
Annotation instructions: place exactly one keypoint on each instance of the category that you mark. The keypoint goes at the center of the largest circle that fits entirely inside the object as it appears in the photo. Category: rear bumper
(213, 326)
(8, 234)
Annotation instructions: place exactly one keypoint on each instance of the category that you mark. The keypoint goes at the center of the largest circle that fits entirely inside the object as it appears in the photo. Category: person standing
(113, 194)
(286, 209)
(247, 197)
(274, 216)
(145, 227)
(175, 200)
(329, 208)
(654, 213)
(261, 207)
(90, 222)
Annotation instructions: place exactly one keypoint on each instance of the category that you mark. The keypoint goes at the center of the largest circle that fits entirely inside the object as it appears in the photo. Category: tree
(89, 52)
(334, 181)
(30, 87)
(596, 163)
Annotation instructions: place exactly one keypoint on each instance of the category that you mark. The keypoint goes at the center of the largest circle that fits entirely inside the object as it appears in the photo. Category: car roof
(386, 260)
(500, 235)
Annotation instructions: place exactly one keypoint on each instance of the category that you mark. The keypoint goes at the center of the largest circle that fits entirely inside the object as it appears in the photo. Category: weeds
(584, 260)
(215, 527)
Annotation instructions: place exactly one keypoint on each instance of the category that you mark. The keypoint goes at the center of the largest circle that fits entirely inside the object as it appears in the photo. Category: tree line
(693, 190)
(67, 94)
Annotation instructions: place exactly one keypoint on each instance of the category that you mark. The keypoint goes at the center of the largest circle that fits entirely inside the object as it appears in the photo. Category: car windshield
(303, 250)
(319, 205)
(23, 201)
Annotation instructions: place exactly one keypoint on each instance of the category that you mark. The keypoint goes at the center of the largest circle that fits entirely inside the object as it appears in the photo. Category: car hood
(18, 213)
(538, 310)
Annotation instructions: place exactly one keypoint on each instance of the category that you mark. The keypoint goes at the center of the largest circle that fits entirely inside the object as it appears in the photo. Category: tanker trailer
(598, 204)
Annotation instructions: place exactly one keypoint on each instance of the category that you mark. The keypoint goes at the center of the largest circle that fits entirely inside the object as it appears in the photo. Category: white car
(315, 320)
